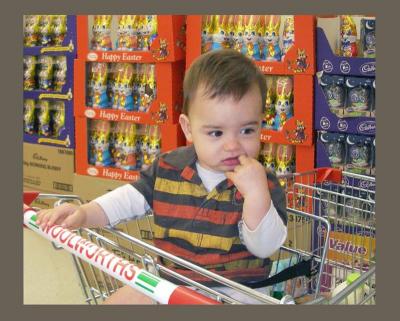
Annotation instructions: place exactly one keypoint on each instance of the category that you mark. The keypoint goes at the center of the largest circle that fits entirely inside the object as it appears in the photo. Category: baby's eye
(247, 131)
(215, 133)
(222, 32)
(253, 33)
(273, 34)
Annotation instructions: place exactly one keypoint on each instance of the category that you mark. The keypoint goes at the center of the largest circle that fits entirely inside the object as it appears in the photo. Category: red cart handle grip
(30, 196)
(328, 174)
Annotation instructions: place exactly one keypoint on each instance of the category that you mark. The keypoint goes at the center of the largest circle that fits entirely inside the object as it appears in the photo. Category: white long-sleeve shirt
(127, 203)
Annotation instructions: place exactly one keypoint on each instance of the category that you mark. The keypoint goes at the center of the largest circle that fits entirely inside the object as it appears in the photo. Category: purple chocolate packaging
(61, 130)
(367, 37)
(330, 63)
(324, 160)
(324, 119)
(359, 97)
(67, 47)
(358, 154)
(52, 74)
(373, 106)
(373, 158)
(334, 90)
(335, 147)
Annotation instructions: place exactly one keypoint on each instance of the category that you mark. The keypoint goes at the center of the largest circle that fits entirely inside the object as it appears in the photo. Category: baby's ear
(185, 125)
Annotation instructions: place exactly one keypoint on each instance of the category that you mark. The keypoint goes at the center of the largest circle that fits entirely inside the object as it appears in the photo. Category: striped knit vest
(202, 227)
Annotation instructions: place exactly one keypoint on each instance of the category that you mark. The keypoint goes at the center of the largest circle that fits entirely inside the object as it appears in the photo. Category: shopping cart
(307, 269)
(347, 201)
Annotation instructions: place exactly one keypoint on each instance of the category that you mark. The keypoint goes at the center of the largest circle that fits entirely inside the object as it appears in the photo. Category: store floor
(49, 275)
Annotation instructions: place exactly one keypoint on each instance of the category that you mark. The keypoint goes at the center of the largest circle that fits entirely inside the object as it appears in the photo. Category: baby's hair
(222, 73)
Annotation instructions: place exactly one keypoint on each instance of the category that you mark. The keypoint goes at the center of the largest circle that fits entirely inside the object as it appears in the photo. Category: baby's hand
(67, 215)
(249, 177)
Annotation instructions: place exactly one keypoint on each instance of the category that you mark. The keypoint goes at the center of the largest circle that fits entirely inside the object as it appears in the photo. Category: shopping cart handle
(328, 174)
(30, 196)
(183, 295)
(149, 284)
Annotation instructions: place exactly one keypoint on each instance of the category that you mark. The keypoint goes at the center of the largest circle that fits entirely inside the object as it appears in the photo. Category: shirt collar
(184, 159)
(181, 157)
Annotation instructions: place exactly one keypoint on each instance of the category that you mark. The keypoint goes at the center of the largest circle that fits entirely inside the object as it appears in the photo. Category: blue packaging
(367, 37)
(358, 154)
(359, 94)
(335, 145)
(334, 90)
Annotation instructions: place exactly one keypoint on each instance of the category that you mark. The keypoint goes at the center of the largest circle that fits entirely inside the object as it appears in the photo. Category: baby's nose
(231, 144)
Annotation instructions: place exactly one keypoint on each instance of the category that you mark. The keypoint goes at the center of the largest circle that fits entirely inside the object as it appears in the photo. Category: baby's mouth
(231, 161)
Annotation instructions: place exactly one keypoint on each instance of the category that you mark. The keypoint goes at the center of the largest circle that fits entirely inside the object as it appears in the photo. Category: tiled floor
(49, 275)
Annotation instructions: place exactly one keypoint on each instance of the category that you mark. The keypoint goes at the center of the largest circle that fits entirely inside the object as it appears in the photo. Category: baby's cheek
(253, 151)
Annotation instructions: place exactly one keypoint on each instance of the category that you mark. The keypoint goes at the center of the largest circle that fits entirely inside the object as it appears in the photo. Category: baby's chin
(218, 168)
(222, 168)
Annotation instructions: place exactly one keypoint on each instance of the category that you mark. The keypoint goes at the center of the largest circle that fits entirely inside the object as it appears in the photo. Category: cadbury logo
(345, 67)
(327, 66)
(342, 125)
(38, 157)
(368, 68)
(325, 123)
(367, 126)
(366, 184)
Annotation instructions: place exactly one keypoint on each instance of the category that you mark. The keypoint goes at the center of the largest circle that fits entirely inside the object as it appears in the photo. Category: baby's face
(222, 130)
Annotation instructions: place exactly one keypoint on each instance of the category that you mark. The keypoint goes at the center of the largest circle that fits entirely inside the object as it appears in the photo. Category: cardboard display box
(88, 188)
(304, 28)
(305, 157)
(171, 138)
(165, 108)
(323, 160)
(68, 45)
(48, 168)
(45, 202)
(325, 119)
(169, 44)
(66, 91)
(66, 135)
(331, 63)
(299, 232)
(299, 129)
